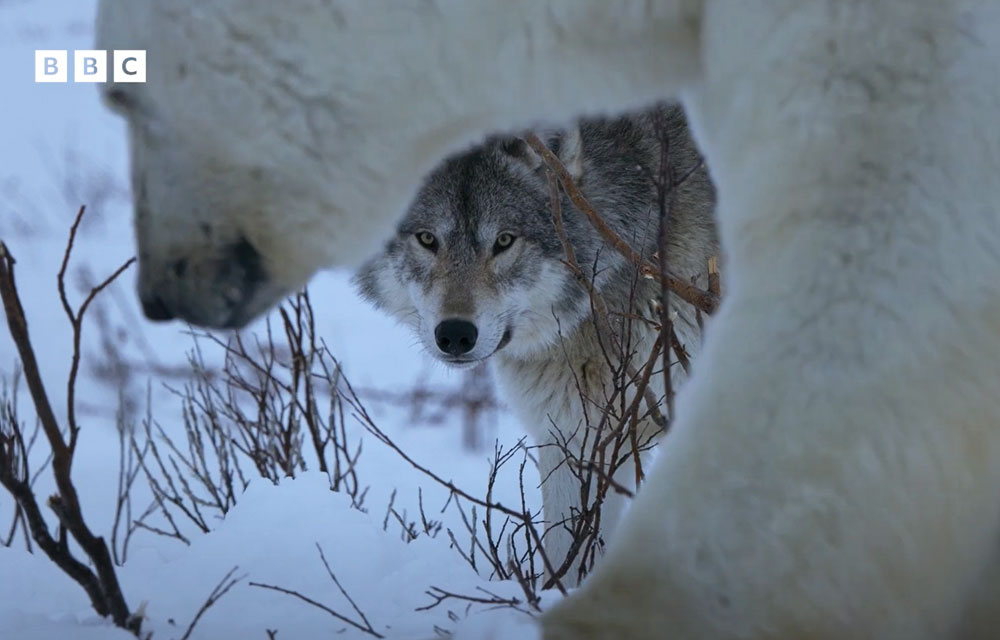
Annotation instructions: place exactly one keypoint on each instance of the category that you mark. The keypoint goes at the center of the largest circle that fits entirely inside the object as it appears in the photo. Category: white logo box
(90, 65)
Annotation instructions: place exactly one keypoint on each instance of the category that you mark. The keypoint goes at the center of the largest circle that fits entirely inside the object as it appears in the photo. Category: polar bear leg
(787, 506)
(981, 619)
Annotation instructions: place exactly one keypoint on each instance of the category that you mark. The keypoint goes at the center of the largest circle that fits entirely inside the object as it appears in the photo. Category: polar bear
(834, 467)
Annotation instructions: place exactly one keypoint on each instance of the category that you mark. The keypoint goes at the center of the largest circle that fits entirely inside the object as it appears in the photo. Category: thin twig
(703, 300)
(221, 589)
(343, 591)
(318, 605)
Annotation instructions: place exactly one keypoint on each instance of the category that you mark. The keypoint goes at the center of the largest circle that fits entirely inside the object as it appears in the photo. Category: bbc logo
(90, 65)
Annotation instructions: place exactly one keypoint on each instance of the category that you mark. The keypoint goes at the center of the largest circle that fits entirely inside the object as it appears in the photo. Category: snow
(61, 149)
(270, 538)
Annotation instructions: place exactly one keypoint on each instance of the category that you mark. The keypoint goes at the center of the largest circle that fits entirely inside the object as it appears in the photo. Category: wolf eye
(427, 240)
(504, 241)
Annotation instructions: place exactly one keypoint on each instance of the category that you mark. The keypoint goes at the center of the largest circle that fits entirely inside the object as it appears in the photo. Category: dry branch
(101, 582)
(703, 300)
(364, 625)
(221, 589)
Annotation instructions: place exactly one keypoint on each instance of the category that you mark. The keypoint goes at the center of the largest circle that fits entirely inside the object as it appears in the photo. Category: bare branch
(703, 300)
(221, 589)
(101, 584)
(363, 626)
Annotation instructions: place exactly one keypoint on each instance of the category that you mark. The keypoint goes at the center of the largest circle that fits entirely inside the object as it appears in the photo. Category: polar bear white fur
(834, 466)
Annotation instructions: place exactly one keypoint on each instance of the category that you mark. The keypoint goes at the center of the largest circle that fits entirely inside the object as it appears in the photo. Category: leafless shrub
(361, 623)
(297, 419)
(220, 590)
(485, 597)
(474, 399)
(521, 521)
(98, 578)
(410, 530)
(611, 435)
(130, 464)
(23, 441)
(272, 411)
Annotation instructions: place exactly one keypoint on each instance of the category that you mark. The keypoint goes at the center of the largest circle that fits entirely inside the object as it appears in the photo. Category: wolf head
(477, 267)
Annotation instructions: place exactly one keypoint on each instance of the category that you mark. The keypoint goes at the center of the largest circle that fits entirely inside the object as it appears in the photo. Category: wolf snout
(456, 337)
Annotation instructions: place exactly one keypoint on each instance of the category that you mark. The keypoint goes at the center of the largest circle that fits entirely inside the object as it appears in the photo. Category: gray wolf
(478, 271)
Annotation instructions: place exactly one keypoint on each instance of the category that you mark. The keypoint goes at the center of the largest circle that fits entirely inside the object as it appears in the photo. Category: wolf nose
(456, 337)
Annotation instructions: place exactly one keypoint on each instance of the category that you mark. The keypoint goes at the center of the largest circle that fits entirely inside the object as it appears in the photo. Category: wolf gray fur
(477, 271)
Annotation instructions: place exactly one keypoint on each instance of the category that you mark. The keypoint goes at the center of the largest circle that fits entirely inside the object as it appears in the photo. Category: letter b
(90, 66)
(51, 65)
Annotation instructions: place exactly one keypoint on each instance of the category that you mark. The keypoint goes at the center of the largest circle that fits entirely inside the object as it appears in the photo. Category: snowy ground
(60, 149)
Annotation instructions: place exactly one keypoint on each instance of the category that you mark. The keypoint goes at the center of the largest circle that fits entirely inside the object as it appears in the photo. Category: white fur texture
(834, 468)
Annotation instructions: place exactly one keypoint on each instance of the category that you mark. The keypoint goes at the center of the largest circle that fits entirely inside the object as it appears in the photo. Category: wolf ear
(567, 145)
(519, 150)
